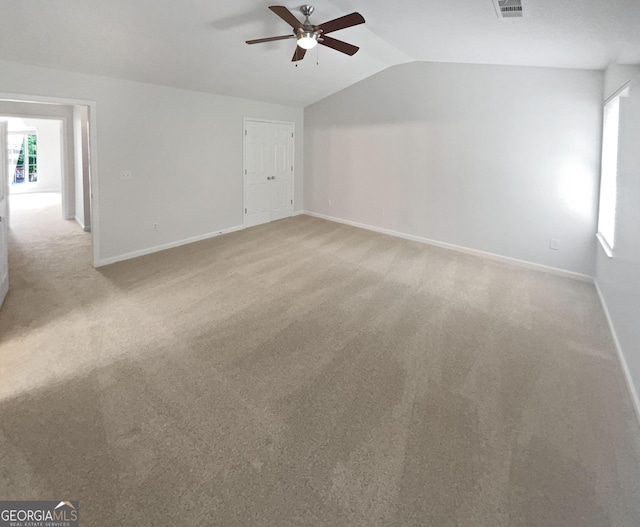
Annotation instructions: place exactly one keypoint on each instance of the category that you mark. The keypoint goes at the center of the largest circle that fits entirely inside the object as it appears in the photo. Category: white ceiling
(199, 45)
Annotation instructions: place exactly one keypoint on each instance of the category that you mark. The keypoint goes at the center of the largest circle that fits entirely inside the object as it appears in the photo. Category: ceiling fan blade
(269, 39)
(298, 54)
(338, 45)
(287, 16)
(341, 23)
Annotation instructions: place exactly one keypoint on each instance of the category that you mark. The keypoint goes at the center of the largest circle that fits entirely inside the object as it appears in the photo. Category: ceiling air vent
(508, 8)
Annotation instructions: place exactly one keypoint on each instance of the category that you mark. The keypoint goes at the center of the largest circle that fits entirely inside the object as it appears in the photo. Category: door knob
(273, 177)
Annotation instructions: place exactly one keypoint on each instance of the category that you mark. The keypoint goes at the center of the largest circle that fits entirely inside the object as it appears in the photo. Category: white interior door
(256, 172)
(4, 220)
(281, 178)
(268, 171)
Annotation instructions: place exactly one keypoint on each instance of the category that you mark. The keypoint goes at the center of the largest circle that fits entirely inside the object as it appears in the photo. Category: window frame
(609, 171)
(26, 164)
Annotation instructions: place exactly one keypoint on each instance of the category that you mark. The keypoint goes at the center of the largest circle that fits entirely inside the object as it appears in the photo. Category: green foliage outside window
(32, 156)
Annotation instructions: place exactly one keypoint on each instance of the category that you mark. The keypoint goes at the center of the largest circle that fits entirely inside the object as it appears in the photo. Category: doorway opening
(47, 168)
(35, 155)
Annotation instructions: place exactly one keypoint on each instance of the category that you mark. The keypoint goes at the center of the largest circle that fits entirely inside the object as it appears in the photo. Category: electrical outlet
(155, 226)
(329, 202)
(125, 175)
(554, 244)
(381, 211)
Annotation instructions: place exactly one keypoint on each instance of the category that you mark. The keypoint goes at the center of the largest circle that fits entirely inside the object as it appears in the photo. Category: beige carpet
(306, 373)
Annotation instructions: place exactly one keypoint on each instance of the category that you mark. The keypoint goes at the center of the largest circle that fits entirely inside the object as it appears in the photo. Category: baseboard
(458, 248)
(79, 222)
(36, 191)
(623, 361)
(164, 247)
(135, 254)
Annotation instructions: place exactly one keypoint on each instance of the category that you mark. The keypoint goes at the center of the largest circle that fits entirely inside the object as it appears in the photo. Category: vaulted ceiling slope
(200, 45)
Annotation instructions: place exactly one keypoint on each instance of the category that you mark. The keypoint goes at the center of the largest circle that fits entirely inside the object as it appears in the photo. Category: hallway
(49, 261)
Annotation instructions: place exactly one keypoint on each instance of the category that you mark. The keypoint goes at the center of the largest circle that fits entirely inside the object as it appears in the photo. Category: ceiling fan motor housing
(307, 35)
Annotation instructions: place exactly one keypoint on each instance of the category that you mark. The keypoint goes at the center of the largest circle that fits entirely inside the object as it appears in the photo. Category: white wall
(183, 148)
(82, 203)
(49, 152)
(493, 158)
(84, 182)
(619, 277)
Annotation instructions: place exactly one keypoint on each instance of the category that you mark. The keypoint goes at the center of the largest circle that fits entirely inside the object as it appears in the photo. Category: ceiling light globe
(307, 41)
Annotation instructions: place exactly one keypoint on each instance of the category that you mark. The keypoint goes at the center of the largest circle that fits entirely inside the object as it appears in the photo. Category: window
(609, 172)
(23, 157)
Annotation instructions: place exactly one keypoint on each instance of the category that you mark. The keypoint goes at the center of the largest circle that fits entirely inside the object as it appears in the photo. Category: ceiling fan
(308, 35)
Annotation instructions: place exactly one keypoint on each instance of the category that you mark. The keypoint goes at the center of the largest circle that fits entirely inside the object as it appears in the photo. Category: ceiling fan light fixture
(307, 40)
